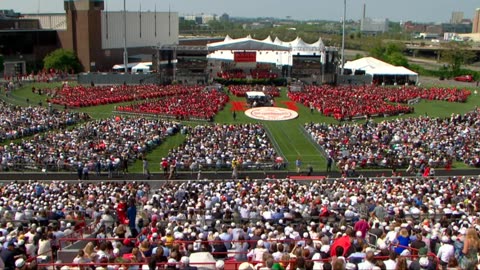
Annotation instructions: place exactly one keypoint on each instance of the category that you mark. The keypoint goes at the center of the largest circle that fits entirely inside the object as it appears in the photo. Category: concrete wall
(143, 29)
(355, 79)
(117, 78)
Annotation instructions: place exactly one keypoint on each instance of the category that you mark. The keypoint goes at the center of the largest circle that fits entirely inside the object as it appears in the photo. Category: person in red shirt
(164, 166)
(362, 226)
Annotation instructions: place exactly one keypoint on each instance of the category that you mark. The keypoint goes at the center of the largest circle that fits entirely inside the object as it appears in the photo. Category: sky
(435, 11)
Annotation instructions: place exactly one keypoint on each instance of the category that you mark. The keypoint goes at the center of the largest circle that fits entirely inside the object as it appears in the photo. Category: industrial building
(96, 35)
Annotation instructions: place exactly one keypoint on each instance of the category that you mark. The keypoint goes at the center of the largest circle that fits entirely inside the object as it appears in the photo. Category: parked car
(464, 78)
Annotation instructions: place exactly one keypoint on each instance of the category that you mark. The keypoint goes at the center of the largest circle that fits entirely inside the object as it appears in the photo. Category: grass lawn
(287, 136)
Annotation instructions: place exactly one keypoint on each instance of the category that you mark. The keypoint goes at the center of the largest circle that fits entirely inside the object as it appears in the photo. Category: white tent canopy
(373, 66)
(122, 67)
(142, 67)
(267, 51)
(392, 70)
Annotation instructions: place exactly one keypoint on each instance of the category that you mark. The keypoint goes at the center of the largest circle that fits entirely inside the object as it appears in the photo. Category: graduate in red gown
(122, 211)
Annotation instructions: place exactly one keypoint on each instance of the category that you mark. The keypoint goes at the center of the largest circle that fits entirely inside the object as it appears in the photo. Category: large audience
(84, 96)
(346, 102)
(420, 222)
(219, 145)
(95, 145)
(44, 76)
(385, 223)
(415, 143)
(195, 104)
(18, 122)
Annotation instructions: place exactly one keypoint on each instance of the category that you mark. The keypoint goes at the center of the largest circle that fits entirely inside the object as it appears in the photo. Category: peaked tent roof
(278, 41)
(246, 43)
(319, 43)
(268, 39)
(365, 63)
(374, 66)
(298, 42)
(296, 46)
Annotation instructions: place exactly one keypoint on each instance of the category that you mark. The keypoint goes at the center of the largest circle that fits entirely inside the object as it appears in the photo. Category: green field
(288, 136)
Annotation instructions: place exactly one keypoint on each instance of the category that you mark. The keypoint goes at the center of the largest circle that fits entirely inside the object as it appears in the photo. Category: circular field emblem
(271, 113)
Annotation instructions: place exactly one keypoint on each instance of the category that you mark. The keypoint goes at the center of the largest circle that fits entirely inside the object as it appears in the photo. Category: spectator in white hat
(445, 252)
(185, 264)
(256, 254)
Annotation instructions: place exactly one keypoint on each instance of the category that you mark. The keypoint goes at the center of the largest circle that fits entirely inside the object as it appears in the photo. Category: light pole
(125, 52)
(343, 34)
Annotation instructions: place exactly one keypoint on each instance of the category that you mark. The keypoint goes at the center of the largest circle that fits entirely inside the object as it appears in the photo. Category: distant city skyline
(435, 11)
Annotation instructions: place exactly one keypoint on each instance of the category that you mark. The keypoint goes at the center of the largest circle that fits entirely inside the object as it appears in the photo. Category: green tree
(61, 59)
(375, 49)
(187, 25)
(391, 52)
(456, 54)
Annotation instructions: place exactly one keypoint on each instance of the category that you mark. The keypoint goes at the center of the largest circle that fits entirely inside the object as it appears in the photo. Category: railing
(229, 262)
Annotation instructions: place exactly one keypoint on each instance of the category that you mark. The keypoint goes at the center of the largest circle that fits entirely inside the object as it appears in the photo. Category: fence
(117, 78)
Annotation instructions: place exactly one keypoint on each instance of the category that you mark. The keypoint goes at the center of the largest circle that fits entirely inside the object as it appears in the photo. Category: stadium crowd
(44, 76)
(346, 102)
(84, 96)
(385, 223)
(218, 146)
(195, 104)
(416, 143)
(94, 146)
(18, 122)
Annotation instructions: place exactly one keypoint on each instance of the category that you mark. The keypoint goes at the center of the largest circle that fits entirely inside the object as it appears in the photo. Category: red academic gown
(122, 212)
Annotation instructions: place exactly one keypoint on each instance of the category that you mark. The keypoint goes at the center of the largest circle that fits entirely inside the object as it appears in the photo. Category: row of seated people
(345, 102)
(100, 140)
(241, 90)
(254, 73)
(263, 74)
(248, 219)
(232, 74)
(40, 76)
(406, 93)
(264, 230)
(415, 142)
(220, 145)
(83, 96)
(196, 104)
(17, 122)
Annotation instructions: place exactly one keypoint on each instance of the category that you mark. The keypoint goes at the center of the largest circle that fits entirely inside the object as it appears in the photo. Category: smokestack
(362, 21)
(364, 10)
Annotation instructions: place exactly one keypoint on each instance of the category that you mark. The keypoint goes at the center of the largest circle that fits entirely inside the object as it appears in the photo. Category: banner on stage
(245, 57)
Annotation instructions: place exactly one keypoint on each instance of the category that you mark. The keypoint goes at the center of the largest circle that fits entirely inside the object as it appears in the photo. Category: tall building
(372, 26)
(457, 17)
(84, 34)
(95, 35)
(98, 36)
(476, 21)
